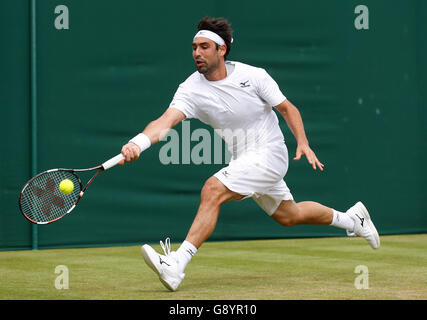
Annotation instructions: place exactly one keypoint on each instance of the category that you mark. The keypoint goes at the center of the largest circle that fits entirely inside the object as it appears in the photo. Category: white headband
(211, 35)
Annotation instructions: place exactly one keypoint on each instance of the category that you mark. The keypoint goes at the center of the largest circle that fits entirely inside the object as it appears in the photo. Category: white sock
(185, 252)
(342, 220)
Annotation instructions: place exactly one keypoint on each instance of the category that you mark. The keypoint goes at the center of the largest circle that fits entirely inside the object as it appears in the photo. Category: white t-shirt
(238, 107)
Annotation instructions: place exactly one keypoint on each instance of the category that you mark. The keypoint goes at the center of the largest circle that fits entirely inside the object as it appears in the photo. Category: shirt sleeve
(268, 89)
(181, 101)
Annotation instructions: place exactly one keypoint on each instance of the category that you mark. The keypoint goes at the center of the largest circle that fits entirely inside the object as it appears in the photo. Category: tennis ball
(66, 186)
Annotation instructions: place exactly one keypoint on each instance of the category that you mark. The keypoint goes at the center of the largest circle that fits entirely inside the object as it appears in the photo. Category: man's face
(206, 56)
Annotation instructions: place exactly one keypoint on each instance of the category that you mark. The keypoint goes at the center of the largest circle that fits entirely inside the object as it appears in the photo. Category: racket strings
(42, 201)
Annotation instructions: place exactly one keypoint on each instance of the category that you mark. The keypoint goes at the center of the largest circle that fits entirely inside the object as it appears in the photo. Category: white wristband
(142, 141)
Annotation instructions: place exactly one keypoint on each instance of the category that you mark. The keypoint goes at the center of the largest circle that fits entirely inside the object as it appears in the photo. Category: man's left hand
(305, 150)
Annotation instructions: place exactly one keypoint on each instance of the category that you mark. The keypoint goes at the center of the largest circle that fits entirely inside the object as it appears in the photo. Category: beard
(206, 68)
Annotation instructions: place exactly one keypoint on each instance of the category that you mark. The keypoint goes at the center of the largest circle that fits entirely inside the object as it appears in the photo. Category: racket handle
(113, 161)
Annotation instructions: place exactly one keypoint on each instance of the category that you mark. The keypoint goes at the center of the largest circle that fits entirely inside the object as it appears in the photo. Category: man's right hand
(131, 153)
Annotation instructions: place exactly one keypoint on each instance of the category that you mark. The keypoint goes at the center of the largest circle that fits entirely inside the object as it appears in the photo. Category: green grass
(318, 268)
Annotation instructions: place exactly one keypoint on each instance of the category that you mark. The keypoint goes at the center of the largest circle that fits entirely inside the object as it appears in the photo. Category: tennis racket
(42, 202)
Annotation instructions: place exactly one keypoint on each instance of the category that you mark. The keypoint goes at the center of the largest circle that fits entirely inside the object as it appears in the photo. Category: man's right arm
(155, 131)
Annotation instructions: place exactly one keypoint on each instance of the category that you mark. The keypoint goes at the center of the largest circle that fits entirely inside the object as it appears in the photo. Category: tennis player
(237, 98)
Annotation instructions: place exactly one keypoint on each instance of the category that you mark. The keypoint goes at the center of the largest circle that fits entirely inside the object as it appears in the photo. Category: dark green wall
(362, 95)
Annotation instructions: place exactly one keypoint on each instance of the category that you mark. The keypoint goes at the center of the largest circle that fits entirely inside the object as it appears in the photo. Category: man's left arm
(294, 121)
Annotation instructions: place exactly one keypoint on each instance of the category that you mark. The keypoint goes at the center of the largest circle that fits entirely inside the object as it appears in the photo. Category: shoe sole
(370, 223)
(146, 249)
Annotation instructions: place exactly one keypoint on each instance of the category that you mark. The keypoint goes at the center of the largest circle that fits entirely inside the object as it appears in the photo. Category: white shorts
(259, 175)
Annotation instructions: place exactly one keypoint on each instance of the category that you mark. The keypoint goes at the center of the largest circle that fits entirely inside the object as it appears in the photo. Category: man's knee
(214, 191)
(287, 214)
(286, 221)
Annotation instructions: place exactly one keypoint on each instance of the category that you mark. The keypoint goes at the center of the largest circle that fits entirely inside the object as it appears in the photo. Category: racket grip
(113, 161)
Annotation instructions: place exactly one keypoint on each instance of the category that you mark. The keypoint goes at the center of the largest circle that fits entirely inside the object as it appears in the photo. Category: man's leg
(170, 267)
(214, 193)
(290, 213)
(355, 219)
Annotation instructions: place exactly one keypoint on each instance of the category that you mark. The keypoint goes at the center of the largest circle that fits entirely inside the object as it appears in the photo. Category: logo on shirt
(244, 84)
(225, 173)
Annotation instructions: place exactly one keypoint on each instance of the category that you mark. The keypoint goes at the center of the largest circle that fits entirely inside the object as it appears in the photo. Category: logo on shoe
(161, 262)
(361, 220)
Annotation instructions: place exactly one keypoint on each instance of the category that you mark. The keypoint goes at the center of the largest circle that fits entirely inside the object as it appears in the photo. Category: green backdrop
(362, 95)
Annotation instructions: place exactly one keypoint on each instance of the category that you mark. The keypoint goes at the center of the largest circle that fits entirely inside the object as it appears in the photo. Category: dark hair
(221, 27)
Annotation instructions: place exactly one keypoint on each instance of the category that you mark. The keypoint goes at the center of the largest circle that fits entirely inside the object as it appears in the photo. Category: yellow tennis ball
(66, 186)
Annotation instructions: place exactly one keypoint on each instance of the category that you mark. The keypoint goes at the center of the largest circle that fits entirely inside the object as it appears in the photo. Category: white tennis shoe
(363, 225)
(166, 266)
(350, 233)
